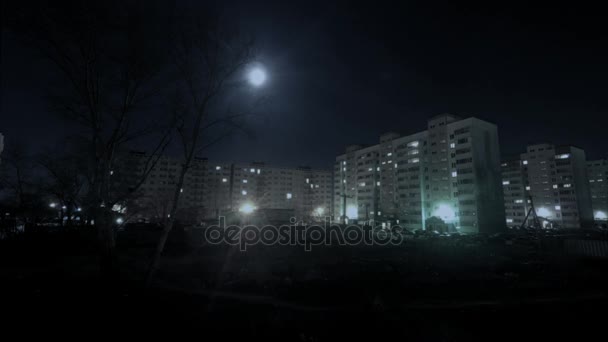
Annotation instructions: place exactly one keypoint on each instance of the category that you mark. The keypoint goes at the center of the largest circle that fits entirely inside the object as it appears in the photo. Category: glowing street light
(543, 212)
(445, 212)
(352, 212)
(247, 208)
(256, 76)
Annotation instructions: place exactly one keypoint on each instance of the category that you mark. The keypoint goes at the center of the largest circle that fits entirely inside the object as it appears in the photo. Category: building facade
(597, 171)
(450, 171)
(213, 189)
(554, 180)
(304, 190)
(514, 189)
(155, 195)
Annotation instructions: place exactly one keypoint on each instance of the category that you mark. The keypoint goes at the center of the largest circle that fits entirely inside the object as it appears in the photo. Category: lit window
(558, 207)
(525, 162)
(218, 167)
(379, 213)
(344, 163)
(244, 181)
(528, 188)
(378, 168)
(600, 180)
(509, 220)
(506, 182)
(224, 180)
(252, 170)
(307, 180)
(554, 186)
(562, 156)
(452, 145)
(362, 184)
(377, 183)
(395, 165)
(259, 171)
(389, 154)
(390, 161)
(519, 201)
(415, 160)
(344, 181)
(568, 185)
(288, 195)
(413, 144)
(370, 169)
(454, 173)
(344, 169)
(244, 192)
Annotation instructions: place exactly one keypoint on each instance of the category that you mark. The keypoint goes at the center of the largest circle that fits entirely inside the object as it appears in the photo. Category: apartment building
(449, 171)
(554, 181)
(213, 189)
(230, 186)
(514, 189)
(154, 197)
(597, 171)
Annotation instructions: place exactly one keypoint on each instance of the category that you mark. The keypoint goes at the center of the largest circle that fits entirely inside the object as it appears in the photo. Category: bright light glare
(320, 211)
(445, 212)
(257, 77)
(247, 208)
(543, 212)
(52, 205)
(600, 215)
(119, 220)
(352, 212)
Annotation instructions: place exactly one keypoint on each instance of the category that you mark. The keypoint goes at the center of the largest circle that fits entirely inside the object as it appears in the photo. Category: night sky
(345, 73)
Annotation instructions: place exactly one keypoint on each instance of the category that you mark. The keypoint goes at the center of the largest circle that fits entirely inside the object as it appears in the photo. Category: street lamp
(247, 208)
(543, 212)
(445, 212)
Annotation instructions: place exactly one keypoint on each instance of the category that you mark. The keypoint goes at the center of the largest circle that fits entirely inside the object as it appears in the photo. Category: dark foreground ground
(426, 289)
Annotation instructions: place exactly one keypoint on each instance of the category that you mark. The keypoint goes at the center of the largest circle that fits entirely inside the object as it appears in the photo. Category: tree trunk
(107, 243)
(168, 226)
(158, 252)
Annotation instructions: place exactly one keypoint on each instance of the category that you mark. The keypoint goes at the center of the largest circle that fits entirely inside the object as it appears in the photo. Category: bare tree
(66, 181)
(109, 62)
(208, 58)
(19, 188)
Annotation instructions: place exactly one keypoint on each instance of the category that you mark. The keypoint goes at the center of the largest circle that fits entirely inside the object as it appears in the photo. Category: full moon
(257, 77)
